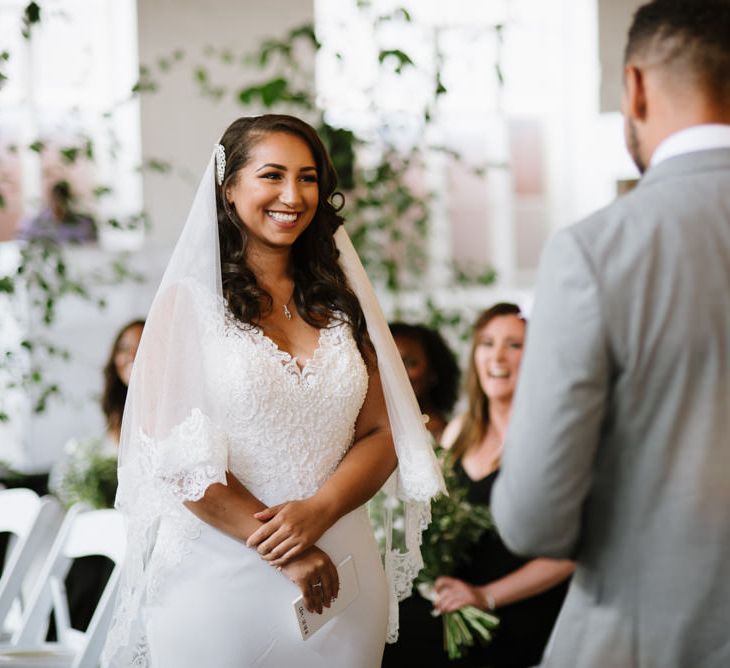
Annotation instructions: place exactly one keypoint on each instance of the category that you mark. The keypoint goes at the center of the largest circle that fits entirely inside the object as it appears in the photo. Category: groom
(618, 452)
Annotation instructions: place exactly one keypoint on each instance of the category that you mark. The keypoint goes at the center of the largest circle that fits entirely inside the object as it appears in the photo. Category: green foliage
(87, 475)
(274, 92)
(464, 626)
(341, 145)
(401, 59)
(456, 525)
(42, 280)
(469, 274)
(4, 57)
(31, 16)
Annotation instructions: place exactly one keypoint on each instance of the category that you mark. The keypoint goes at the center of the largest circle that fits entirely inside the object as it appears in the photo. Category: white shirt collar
(696, 138)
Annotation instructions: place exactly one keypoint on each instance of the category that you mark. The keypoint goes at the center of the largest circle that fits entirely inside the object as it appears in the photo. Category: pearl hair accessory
(220, 163)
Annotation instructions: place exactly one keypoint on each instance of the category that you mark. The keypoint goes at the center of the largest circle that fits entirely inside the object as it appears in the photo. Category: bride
(256, 428)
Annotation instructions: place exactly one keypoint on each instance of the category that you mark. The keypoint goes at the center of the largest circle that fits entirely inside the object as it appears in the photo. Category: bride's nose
(291, 195)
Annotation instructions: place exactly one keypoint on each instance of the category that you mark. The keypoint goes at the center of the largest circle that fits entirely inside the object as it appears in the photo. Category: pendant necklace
(287, 312)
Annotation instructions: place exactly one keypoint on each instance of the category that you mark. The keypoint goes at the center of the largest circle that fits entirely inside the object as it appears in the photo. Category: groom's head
(676, 71)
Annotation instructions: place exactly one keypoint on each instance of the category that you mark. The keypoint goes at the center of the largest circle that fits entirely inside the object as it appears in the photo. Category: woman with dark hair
(70, 478)
(526, 595)
(117, 372)
(256, 428)
(86, 474)
(432, 370)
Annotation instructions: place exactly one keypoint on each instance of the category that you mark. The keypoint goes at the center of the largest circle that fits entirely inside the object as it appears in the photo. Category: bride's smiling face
(276, 193)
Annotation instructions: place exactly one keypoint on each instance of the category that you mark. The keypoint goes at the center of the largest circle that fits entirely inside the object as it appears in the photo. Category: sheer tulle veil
(168, 404)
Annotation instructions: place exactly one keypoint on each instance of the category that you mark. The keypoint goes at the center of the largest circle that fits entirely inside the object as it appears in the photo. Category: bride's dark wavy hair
(321, 291)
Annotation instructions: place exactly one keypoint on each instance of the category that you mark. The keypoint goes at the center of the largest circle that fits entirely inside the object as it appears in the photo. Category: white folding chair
(83, 533)
(33, 523)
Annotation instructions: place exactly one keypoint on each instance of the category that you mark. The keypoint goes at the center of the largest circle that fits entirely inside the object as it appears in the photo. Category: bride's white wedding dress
(216, 602)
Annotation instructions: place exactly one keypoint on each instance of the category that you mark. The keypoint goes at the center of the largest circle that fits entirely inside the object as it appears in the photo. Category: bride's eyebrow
(283, 168)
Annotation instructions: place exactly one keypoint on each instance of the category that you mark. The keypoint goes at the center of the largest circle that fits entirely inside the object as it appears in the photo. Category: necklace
(287, 312)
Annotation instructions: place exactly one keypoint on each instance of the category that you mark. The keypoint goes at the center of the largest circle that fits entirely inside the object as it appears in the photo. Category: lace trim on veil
(152, 489)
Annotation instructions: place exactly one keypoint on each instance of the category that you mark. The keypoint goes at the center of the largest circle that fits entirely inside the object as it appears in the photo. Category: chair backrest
(34, 523)
(83, 533)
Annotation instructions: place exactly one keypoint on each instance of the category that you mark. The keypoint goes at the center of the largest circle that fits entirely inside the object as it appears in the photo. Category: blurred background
(464, 133)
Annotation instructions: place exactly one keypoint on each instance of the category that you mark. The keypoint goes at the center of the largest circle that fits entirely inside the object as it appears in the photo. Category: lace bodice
(287, 427)
(280, 429)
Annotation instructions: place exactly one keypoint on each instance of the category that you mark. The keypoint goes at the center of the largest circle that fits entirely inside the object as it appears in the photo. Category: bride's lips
(284, 219)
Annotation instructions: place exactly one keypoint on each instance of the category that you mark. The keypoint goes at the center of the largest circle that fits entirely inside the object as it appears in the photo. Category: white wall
(178, 124)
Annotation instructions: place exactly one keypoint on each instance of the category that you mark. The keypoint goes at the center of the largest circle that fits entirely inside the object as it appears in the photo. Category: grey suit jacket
(618, 450)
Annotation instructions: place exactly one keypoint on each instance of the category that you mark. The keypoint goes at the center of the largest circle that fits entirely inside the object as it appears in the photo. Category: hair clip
(220, 163)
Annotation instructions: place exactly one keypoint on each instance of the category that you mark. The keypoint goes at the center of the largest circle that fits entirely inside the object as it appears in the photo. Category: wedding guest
(88, 474)
(61, 221)
(619, 454)
(525, 594)
(117, 372)
(71, 472)
(432, 370)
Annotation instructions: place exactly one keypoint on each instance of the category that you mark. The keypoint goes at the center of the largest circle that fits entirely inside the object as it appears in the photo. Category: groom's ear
(634, 102)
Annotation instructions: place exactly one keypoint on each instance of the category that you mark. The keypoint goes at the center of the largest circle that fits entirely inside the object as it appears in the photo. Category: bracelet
(490, 600)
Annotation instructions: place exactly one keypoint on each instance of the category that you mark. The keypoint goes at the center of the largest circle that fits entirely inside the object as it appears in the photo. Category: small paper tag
(311, 622)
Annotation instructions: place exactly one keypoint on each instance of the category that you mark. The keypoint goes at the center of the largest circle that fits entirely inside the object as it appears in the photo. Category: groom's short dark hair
(688, 37)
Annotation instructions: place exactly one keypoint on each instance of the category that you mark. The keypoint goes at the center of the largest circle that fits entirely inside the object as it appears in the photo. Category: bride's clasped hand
(290, 528)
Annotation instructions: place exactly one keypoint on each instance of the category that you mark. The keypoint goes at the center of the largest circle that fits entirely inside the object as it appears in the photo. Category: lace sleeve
(192, 457)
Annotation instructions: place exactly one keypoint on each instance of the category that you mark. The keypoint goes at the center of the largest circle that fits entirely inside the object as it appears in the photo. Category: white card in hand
(311, 622)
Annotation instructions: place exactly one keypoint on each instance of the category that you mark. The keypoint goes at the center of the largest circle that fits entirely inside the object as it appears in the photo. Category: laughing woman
(525, 594)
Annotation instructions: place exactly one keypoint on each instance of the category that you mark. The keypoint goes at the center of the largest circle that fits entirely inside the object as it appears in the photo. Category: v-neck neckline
(290, 361)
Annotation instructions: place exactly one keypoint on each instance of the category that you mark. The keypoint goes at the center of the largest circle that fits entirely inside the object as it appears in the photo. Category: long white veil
(169, 404)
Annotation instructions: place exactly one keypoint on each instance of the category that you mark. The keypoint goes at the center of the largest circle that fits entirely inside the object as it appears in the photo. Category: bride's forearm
(360, 474)
(229, 508)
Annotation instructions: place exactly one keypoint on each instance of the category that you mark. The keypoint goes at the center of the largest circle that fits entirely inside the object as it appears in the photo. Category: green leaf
(69, 154)
(102, 191)
(155, 165)
(402, 59)
(33, 13)
(306, 31)
(7, 285)
(37, 146)
(440, 88)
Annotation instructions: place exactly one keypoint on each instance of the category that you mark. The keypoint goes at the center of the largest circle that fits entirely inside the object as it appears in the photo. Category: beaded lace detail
(285, 428)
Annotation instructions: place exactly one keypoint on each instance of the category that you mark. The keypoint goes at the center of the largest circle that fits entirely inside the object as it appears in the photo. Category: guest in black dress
(525, 594)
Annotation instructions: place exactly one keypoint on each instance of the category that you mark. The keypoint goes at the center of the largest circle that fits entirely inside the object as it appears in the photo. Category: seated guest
(78, 477)
(60, 222)
(526, 595)
(88, 473)
(117, 372)
(432, 370)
